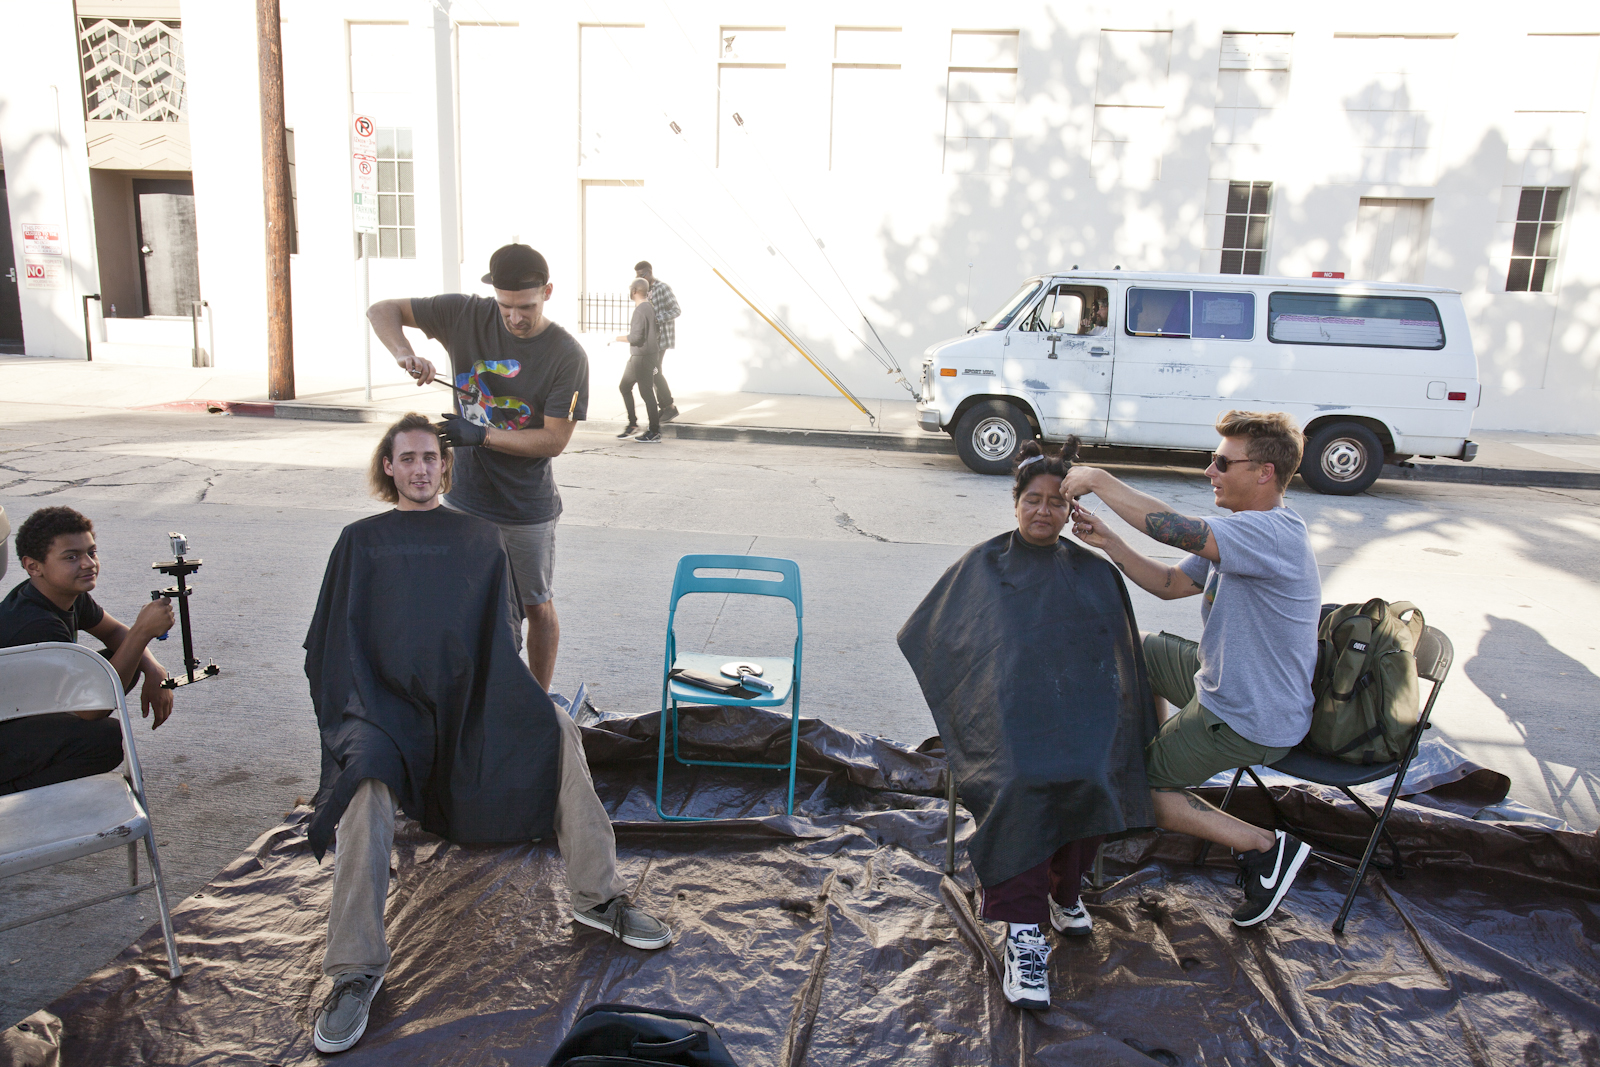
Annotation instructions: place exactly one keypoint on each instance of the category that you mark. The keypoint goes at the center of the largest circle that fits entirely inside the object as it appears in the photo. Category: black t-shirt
(521, 380)
(27, 616)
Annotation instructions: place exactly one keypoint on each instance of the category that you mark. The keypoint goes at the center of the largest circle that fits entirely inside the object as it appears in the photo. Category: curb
(926, 443)
(1537, 479)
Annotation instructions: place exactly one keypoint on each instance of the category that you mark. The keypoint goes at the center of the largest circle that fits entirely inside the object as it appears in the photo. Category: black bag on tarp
(612, 1035)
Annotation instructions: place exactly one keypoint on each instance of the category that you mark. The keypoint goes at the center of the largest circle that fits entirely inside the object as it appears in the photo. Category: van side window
(1073, 309)
(1225, 316)
(1181, 313)
(1367, 321)
(1158, 312)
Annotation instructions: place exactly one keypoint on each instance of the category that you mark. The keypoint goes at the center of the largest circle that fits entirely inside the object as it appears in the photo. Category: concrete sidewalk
(1567, 461)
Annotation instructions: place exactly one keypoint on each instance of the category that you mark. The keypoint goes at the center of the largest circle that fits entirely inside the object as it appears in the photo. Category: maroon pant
(1021, 898)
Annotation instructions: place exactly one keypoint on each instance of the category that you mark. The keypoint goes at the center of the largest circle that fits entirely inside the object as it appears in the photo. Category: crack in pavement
(843, 520)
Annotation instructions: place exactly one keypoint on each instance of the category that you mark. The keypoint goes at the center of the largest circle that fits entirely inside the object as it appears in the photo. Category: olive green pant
(1193, 744)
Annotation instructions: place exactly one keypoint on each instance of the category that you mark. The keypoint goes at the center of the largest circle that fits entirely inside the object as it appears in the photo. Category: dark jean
(1021, 898)
(46, 749)
(641, 372)
(663, 390)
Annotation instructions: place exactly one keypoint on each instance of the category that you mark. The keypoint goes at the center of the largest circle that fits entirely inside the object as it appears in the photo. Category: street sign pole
(364, 201)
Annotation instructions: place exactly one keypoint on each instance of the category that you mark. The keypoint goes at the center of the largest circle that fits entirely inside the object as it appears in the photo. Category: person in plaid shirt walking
(667, 309)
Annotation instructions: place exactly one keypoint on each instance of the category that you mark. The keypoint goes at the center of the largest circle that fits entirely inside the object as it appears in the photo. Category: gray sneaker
(343, 1018)
(622, 920)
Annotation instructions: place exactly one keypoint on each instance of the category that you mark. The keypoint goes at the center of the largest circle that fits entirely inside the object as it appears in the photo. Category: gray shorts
(532, 550)
(533, 559)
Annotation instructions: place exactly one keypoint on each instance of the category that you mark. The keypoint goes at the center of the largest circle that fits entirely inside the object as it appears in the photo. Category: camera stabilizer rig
(180, 568)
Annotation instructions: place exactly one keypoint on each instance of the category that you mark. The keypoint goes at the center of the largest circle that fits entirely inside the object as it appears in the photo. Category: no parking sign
(364, 172)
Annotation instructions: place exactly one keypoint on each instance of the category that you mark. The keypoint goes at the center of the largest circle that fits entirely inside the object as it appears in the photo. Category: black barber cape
(1030, 662)
(417, 681)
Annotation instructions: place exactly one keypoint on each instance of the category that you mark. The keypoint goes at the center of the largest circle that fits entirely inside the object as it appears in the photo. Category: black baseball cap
(514, 267)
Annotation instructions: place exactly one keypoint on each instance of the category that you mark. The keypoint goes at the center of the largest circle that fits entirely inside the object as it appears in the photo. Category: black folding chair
(1434, 654)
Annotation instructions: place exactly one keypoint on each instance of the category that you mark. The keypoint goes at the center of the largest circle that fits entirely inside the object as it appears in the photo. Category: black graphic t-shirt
(519, 381)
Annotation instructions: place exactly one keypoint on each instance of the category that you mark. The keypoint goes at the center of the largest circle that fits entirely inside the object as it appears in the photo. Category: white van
(1370, 370)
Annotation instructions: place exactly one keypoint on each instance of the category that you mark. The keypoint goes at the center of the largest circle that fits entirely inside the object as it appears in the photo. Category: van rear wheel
(1342, 459)
(989, 435)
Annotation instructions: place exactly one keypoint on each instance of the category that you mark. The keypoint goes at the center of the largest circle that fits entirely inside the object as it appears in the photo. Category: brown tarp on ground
(833, 937)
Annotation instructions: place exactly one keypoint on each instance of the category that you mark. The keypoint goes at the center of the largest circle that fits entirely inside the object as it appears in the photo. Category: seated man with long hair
(424, 703)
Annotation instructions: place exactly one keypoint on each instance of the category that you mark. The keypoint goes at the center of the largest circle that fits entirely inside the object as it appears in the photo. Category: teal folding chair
(783, 673)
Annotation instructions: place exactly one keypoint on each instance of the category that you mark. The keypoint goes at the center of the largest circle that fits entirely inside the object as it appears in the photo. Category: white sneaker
(1074, 921)
(1027, 981)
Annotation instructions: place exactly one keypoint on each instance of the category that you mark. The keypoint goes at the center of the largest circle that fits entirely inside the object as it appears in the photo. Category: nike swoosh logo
(1277, 868)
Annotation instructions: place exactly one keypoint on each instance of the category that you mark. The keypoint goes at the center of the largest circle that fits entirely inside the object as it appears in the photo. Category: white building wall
(1112, 143)
(43, 145)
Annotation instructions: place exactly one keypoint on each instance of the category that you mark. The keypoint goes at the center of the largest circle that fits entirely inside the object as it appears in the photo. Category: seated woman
(1028, 655)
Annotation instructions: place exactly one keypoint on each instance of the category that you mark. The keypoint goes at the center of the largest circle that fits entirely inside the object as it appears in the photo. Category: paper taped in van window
(1371, 321)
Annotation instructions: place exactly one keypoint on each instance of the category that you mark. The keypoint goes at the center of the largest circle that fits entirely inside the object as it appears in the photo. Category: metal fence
(604, 312)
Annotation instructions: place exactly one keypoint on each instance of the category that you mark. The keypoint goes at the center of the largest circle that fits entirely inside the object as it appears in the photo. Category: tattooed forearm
(1176, 530)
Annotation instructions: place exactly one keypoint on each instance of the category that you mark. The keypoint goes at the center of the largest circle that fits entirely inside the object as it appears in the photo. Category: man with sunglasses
(1244, 690)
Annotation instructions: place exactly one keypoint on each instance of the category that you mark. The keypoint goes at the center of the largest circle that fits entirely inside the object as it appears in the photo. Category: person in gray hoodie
(644, 351)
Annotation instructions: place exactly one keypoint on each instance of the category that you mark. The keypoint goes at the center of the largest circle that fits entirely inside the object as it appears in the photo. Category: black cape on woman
(1030, 661)
(417, 681)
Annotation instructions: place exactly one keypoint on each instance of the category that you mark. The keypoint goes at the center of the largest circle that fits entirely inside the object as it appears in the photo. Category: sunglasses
(1223, 462)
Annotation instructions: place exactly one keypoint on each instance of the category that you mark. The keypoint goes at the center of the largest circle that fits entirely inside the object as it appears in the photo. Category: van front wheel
(1342, 459)
(989, 434)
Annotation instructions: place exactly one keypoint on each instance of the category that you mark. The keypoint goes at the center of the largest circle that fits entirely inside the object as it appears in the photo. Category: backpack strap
(1416, 624)
(1352, 661)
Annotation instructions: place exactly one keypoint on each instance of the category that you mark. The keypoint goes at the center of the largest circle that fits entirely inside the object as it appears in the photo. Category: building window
(294, 195)
(1533, 246)
(980, 101)
(1244, 229)
(132, 70)
(397, 201)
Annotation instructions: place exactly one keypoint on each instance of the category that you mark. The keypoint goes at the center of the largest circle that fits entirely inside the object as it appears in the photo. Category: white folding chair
(55, 823)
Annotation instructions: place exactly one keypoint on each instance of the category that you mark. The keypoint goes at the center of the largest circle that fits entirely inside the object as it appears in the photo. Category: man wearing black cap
(523, 386)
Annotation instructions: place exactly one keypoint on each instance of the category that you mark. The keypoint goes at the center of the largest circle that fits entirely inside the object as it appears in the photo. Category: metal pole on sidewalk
(275, 189)
(366, 302)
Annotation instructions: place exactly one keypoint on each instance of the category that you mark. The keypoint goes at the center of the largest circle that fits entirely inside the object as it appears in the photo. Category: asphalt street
(1509, 573)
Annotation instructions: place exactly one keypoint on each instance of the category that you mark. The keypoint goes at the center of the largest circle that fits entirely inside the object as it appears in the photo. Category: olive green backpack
(1365, 686)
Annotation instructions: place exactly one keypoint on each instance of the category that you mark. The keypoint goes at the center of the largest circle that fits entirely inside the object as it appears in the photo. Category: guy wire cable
(825, 372)
(773, 247)
(886, 360)
(893, 364)
(684, 143)
(770, 317)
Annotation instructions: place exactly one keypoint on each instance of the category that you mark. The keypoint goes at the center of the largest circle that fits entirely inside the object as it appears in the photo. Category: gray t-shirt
(1259, 611)
(520, 382)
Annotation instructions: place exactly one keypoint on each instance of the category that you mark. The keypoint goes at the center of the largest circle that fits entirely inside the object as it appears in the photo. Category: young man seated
(424, 702)
(57, 550)
(1244, 692)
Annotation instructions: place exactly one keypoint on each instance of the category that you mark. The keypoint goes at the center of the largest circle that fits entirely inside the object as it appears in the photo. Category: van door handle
(1099, 350)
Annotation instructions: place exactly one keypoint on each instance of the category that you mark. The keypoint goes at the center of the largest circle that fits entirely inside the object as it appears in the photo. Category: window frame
(1127, 308)
(1557, 223)
(1444, 339)
(1248, 215)
(372, 243)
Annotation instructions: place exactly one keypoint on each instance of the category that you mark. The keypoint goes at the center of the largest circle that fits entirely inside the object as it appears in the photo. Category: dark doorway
(169, 245)
(10, 299)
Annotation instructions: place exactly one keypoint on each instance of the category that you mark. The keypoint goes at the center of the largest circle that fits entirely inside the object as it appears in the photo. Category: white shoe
(1027, 981)
(1074, 921)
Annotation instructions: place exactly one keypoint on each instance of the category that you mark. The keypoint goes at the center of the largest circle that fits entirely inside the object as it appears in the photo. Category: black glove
(457, 432)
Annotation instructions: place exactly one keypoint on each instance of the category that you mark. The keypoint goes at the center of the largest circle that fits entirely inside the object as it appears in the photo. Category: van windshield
(1008, 311)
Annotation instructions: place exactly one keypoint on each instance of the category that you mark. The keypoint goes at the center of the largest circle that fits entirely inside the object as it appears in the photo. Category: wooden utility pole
(275, 186)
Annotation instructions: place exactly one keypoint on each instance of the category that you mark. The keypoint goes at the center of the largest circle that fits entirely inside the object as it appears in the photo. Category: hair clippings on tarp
(1030, 459)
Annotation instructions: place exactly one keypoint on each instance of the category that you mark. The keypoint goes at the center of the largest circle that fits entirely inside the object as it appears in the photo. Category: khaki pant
(366, 834)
